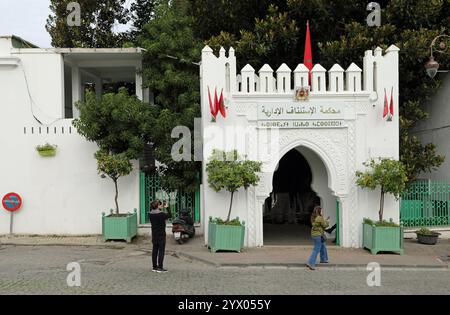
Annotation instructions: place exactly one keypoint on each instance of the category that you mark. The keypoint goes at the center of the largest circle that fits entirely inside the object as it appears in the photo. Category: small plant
(387, 174)
(383, 223)
(229, 171)
(46, 149)
(426, 232)
(235, 222)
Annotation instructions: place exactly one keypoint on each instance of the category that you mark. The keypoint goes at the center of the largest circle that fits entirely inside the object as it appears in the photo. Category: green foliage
(46, 147)
(380, 223)
(271, 41)
(235, 222)
(171, 71)
(113, 165)
(427, 232)
(229, 171)
(387, 174)
(118, 123)
(98, 20)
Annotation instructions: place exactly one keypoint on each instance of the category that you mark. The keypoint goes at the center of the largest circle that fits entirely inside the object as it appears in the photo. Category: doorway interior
(300, 182)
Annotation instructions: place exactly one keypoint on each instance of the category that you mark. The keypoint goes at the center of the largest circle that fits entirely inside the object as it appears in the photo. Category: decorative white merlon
(284, 69)
(284, 79)
(392, 48)
(248, 79)
(336, 77)
(378, 51)
(318, 78)
(301, 76)
(231, 52)
(266, 79)
(353, 76)
(222, 52)
(207, 50)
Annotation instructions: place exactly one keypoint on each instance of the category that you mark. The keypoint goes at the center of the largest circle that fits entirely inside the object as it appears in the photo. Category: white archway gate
(341, 122)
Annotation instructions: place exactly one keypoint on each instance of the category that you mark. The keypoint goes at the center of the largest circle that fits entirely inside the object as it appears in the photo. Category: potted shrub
(116, 226)
(427, 237)
(229, 171)
(46, 150)
(118, 123)
(390, 176)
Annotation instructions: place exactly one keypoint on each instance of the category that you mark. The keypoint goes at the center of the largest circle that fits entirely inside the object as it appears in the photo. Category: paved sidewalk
(416, 255)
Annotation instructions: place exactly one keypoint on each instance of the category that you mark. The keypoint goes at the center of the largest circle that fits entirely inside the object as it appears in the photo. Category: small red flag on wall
(392, 105)
(308, 58)
(386, 105)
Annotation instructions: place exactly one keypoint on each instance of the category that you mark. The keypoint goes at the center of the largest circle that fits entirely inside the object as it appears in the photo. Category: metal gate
(426, 203)
(150, 190)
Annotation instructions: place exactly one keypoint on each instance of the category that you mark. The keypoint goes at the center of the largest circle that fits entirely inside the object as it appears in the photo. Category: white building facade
(61, 195)
(336, 129)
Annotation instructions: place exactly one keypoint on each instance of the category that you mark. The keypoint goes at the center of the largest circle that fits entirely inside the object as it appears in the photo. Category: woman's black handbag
(323, 238)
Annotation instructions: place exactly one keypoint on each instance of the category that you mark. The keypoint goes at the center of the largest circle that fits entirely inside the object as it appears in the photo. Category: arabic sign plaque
(295, 115)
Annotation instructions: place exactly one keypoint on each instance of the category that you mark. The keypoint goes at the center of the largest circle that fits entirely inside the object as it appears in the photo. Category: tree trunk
(231, 205)
(117, 196)
(381, 205)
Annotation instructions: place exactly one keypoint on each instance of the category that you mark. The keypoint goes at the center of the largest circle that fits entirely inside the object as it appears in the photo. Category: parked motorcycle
(183, 227)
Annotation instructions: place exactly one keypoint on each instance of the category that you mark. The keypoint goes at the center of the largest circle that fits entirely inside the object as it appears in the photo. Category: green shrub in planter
(228, 171)
(226, 236)
(382, 237)
(390, 176)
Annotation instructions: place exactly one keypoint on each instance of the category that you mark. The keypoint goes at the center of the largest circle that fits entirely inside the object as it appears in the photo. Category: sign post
(11, 202)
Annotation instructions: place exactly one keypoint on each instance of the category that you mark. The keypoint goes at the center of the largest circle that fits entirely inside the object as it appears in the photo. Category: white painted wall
(436, 129)
(62, 194)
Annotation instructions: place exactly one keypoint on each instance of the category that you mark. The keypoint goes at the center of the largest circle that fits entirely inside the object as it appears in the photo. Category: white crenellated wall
(334, 154)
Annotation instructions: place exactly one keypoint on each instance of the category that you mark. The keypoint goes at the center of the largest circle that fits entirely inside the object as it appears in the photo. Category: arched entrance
(300, 182)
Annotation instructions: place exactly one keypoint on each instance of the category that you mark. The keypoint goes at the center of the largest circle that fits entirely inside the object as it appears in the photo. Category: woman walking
(319, 224)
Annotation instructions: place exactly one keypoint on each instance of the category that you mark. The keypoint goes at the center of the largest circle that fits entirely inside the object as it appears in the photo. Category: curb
(303, 265)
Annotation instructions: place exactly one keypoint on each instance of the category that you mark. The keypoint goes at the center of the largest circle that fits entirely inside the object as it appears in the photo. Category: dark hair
(155, 204)
(316, 213)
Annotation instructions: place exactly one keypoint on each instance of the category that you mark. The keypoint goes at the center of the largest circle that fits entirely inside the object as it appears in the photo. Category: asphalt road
(43, 270)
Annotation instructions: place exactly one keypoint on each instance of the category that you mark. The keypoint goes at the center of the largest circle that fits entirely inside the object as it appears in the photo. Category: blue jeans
(321, 248)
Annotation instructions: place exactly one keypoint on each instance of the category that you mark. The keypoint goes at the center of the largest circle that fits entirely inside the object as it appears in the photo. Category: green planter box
(383, 239)
(225, 237)
(123, 227)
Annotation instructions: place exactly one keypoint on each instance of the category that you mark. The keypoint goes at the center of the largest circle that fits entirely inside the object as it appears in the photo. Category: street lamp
(432, 66)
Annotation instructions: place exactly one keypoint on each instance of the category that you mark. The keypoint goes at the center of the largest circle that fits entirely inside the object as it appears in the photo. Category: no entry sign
(12, 202)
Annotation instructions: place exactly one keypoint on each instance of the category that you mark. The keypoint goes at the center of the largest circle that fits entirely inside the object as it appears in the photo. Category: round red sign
(12, 202)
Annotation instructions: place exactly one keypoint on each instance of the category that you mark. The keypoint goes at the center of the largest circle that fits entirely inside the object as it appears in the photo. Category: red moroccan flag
(216, 103)
(211, 105)
(392, 103)
(386, 105)
(308, 59)
(222, 108)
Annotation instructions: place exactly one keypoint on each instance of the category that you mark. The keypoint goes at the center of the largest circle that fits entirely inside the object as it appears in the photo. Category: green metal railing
(150, 190)
(426, 203)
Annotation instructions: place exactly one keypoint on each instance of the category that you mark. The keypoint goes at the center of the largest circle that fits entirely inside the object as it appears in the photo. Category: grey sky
(27, 19)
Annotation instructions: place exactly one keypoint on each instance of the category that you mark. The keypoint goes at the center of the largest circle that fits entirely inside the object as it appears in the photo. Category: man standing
(158, 220)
